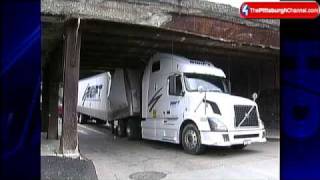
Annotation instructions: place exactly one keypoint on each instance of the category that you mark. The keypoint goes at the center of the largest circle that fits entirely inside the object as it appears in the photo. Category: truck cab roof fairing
(185, 65)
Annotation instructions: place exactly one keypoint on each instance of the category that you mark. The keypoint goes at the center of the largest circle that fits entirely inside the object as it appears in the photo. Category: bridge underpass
(76, 48)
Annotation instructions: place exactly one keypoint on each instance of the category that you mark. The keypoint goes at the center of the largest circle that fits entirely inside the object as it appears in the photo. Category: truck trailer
(181, 101)
(93, 95)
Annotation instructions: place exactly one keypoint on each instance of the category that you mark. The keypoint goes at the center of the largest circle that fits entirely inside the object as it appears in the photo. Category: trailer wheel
(121, 129)
(191, 140)
(133, 129)
(238, 146)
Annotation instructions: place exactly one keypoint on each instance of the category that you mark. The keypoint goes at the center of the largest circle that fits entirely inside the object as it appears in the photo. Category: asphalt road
(118, 158)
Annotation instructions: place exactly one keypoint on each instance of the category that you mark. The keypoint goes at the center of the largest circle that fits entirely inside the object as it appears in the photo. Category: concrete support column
(71, 58)
(53, 111)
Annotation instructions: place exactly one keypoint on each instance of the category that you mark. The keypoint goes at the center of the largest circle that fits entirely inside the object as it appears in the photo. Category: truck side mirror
(254, 96)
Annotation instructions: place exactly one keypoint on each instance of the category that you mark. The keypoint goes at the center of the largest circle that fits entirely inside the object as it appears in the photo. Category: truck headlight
(217, 125)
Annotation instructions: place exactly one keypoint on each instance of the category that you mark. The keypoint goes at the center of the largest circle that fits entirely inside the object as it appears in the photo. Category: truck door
(154, 96)
(174, 108)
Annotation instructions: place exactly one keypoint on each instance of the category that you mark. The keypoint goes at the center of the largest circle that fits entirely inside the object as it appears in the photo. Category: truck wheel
(238, 146)
(133, 129)
(82, 119)
(130, 130)
(191, 140)
(121, 131)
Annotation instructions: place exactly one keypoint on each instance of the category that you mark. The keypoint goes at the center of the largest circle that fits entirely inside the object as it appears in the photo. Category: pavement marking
(91, 129)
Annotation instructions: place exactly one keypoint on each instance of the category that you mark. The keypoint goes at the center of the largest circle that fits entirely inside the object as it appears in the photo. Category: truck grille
(240, 112)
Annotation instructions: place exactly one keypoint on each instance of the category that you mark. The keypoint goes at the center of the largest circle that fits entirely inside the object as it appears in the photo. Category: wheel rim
(128, 131)
(191, 139)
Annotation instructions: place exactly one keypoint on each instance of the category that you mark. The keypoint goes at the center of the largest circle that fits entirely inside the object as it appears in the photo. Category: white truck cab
(189, 102)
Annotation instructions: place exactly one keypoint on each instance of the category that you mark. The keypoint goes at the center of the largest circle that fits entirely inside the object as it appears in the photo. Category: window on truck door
(175, 85)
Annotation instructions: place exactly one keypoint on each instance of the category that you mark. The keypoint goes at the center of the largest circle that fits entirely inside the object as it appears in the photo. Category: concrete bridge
(81, 37)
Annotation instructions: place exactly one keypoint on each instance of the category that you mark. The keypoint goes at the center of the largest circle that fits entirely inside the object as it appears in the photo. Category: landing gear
(121, 128)
(82, 119)
(113, 130)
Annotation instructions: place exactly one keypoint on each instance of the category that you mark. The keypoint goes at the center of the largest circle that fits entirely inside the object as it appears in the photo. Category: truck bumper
(232, 137)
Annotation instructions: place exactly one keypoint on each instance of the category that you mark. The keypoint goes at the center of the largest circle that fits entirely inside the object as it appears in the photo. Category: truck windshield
(209, 83)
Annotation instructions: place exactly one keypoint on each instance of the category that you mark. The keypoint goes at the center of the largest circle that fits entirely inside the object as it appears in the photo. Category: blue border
(20, 89)
(300, 100)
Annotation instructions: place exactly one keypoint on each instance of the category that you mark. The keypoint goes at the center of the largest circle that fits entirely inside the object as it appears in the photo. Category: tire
(121, 128)
(238, 146)
(191, 140)
(133, 129)
(82, 119)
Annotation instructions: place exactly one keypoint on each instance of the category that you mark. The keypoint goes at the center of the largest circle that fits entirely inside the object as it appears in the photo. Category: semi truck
(182, 101)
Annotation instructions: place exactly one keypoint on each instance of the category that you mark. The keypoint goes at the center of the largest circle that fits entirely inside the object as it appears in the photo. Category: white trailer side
(93, 95)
